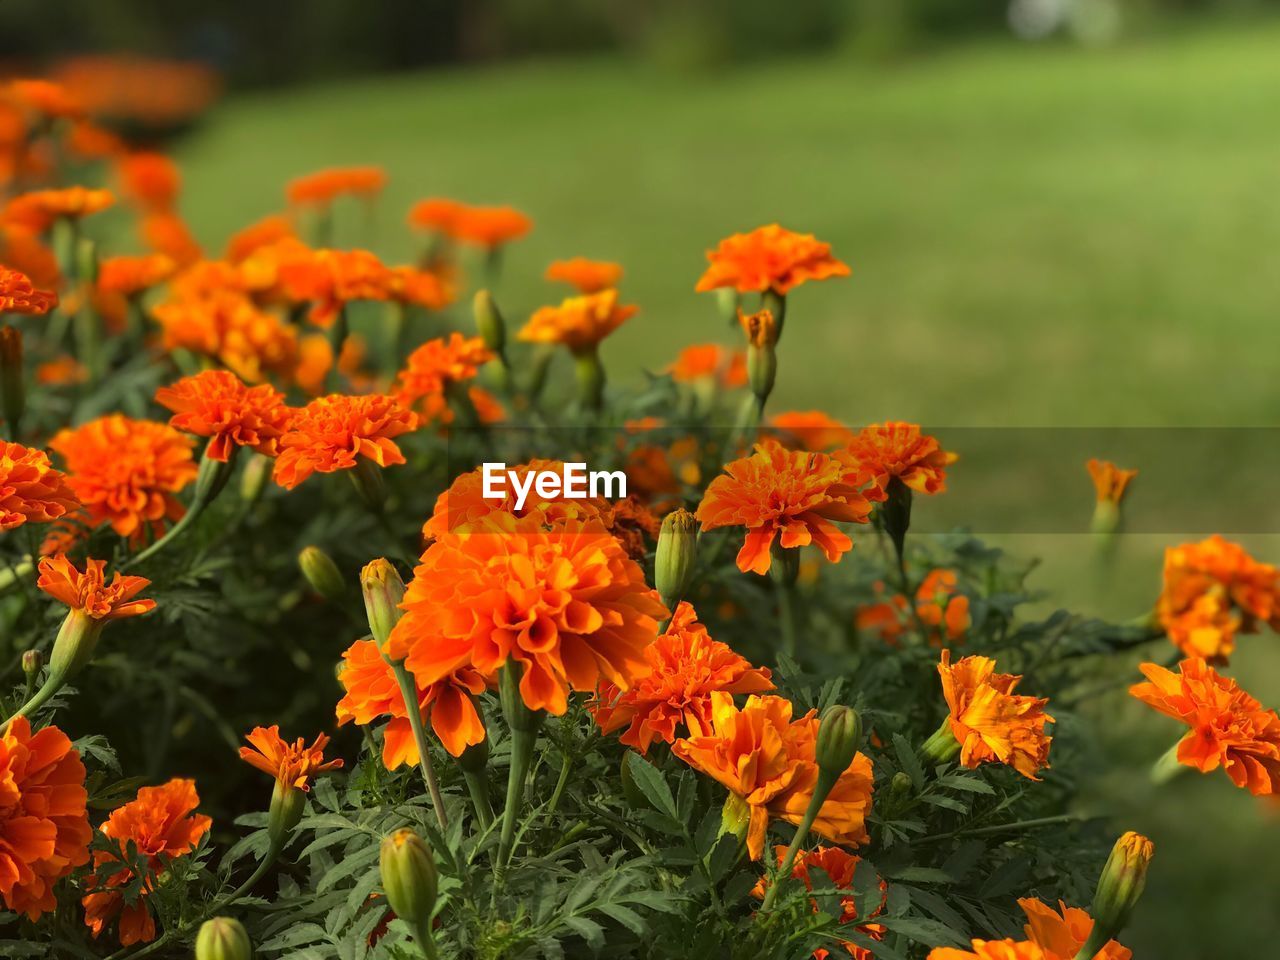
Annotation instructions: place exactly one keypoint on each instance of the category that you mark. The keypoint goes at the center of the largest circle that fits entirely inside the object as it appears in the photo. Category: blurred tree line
(265, 42)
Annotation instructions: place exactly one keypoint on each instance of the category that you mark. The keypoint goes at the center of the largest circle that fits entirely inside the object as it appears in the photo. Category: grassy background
(1040, 237)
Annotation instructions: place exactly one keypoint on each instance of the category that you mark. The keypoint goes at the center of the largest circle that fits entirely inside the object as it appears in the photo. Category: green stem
(524, 724)
(409, 690)
(825, 783)
(425, 939)
(565, 769)
(15, 572)
(478, 788)
(1167, 767)
(1003, 828)
(51, 686)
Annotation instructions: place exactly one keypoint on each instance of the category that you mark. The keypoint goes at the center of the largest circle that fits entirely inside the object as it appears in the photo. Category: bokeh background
(1060, 213)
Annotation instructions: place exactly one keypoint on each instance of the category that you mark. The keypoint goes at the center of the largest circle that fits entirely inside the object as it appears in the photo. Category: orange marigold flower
(90, 593)
(1061, 933)
(217, 404)
(769, 258)
(489, 227)
(22, 250)
(372, 692)
(1229, 728)
(31, 490)
(887, 618)
(989, 721)
(436, 213)
(294, 765)
(151, 180)
(44, 829)
(62, 371)
(265, 232)
(39, 209)
(589, 276)
(324, 186)
(786, 495)
(19, 295)
(439, 363)
(992, 950)
(686, 666)
(126, 472)
(331, 279)
(165, 232)
(161, 825)
(710, 361)
(767, 760)
(579, 322)
(1109, 480)
(896, 450)
(1212, 591)
(130, 276)
(940, 609)
(315, 360)
(419, 288)
(228, 327)
(46, 97)
(331, 433)
(565, 602)
(811, 430)
(88, 141)
(839, 866)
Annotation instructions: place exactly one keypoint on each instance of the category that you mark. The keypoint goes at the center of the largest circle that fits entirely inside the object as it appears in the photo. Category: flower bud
(223, 938)
(409, 877)
(895, 513)
(383, 590)
(839, 735)
(1119, 889)
(776, 304)
(287, 804)
(900, 785)
(254, 477)
(675, 556)
(13, 394)
(762, 360)
(322, 573)
(32, 664)
(489, 323)
(86, 254)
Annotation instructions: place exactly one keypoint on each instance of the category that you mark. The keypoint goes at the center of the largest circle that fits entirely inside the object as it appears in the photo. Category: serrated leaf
(591, 932)
(920, 875)
(949, 803)
(653, 785)
(625, 916)
(908, 760)
(923, 930)
(971, 784)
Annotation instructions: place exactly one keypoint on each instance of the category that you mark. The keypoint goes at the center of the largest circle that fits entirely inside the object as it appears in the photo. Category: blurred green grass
(1039, 237)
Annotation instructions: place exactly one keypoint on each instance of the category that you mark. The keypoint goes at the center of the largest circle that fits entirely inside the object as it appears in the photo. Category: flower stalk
(942, 744)
(524, 724)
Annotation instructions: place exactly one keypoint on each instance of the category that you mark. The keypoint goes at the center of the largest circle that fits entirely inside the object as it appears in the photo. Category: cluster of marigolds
(539, 605)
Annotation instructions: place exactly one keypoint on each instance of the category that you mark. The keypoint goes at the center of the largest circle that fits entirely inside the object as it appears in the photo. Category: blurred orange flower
(19, 295)
(44, 827)
(939, 608)
(31, 490)
(710, 361)
(589, 276)
(489, 227)
(151, 180)
(161, 826)
(769, 258)
(420, 288)
(767, 760)
(1109, 480)
(685, 667)
(217, 404)
(436, 213)
(810, 430)
(22, 250)
(130, 276)
(61, 371)
(227, 326)
(294, 765)
(167, 233)
(39, 209)
(565, 602)
(127, 471)
(1212, 591)
(324, 186)
(1229, 728)
(46, 97)
(263, 233)
(896, 450)
(330, 279)
(372, 692)
(989, 721)
(315, 360)
(992, 950)
(790, 496)
(1062, 932)
(439, 363)
(579, 322)
(89, 592)
(331, 433)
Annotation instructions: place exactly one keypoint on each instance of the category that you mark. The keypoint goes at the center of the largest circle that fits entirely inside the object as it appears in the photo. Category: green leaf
(971, 784)
(950, 803)
(920, 875)
(652, 784)
(923, 930)
(591, 932)
(908, 760)
(625, 916)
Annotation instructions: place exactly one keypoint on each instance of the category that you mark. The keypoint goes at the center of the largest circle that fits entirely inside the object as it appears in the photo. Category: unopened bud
(409, 877)
(223, 938)
(675, 556)
(900, 785)
(839, 735)
(287, 804)
(13, 393)
(322, 573)
(776, 304)
(32, 664)
(87, 260)
(383, 590)
(254, 477)
(1119, 888)
(489, 323)
(762, 360)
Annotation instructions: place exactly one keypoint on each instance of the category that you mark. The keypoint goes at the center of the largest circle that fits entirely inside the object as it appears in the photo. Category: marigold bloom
(767, 759)
(1061, 933)
(331, 279)
(428, 289)
(315, 360)
(19, 295)
(710, 361)
(126, 472)
(31, 490)
(989, 721)
(218, 405)
(433, 367)
(294, 765)
(786, 495)
(992, 950)
(1229, 728)
(489, 227)
(39, 209)
(896, 450)
(589, 276)
(565, 602)
(769, 258)
(1109, 480)
(372, 692)
(163, 231)
(331, 433)
(839, 867)
(161, 825)
(89, 592)
(321, 188)
(943, 612)
(1214, 590)
(686, 666)
(229, 327)
(44, 829)
(436, 213)
(263, 233)
(579, 322)
(130, 276)
(22, 250)
(810, 430)
(46, 97)
(151, 180)
(62, 371)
